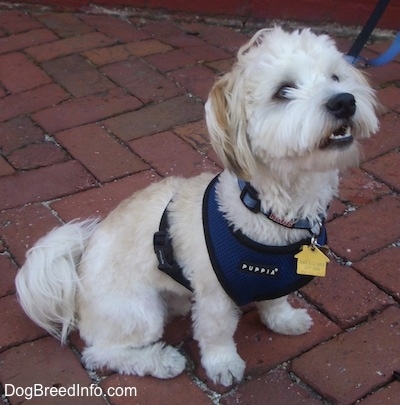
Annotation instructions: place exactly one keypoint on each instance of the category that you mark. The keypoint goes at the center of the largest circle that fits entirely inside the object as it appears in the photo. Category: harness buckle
(163, 250)
(249, 197)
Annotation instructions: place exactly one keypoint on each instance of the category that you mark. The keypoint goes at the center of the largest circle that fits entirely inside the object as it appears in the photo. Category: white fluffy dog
(283, 122)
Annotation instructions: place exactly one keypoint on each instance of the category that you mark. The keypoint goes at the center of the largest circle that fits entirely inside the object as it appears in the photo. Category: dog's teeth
(339, 134)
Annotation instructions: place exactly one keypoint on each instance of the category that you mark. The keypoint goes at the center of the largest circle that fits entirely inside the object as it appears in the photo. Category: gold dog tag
(311, 261)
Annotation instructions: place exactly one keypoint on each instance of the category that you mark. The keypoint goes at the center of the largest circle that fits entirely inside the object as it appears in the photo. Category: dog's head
(291, 101)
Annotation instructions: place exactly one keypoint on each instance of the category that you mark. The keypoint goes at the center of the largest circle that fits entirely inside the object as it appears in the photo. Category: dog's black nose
(342, 105)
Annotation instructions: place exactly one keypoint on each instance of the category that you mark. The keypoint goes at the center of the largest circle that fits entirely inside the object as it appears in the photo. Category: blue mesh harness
(247, 270)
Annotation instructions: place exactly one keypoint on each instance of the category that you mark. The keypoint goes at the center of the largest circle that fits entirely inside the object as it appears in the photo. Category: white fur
(102, 277)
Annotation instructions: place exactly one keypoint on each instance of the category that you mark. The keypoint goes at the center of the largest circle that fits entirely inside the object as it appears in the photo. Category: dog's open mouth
(339, 138)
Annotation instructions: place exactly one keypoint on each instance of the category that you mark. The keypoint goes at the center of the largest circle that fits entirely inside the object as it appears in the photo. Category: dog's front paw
(224, 368)
(289, 322)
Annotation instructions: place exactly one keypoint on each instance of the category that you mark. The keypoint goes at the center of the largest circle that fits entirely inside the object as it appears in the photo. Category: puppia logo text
(264, 270)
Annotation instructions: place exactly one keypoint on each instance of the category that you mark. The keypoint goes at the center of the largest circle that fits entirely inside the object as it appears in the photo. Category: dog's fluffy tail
(48, 281)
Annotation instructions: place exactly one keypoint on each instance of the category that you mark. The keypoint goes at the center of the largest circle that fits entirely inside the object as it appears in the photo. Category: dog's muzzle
(342, 106)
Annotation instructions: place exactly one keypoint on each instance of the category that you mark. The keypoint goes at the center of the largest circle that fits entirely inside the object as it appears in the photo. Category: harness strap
(165, 254)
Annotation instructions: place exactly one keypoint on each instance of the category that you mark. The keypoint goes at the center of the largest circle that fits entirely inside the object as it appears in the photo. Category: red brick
(336, 209)
(8, 271)
(198, 80)
(100, 201)
(15, 21)
(107, 55)
(153, 391)
(18, 132)
(114, 27)
(5, 168)
(155, 118)
(85, 110)
(345, 296)
(384, 75)
(263, 350)
(186, 56)
(220, 36)
(68, 45)
(37, 155)
(22, 227)
(43, 184)
(275, 387)
(359, 233)
(358, 188)
(63, 24)
(18, 73)
(101, 154)
(382, 269)
(386, 168)
(195, 134)
(221, 66)
(169, 33)
(77, 76)
(142, 81)
(19, 328)
(390, 97)
(39, 363)
(224, 37)
(184, 39)
(118, 53)
(178, 158)
(147, 47)
(385, 140)
(178, 330)
(30, 101)
(354, 363)
(160, 29)
(25, 40)
(386, 396)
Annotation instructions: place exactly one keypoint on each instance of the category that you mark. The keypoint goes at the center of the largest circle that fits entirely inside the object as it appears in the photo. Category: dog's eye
(284, 90)
(335, 78)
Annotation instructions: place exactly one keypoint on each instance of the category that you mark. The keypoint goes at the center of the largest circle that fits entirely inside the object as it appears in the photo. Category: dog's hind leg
(157, 359)
(125, 337)
(215, 319)
(280, 317)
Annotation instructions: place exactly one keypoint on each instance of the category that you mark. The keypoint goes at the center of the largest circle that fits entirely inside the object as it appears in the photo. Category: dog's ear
(227, 124)
(257, 39)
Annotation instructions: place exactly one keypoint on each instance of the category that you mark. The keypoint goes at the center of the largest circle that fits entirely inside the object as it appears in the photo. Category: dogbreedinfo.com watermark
(75, 390)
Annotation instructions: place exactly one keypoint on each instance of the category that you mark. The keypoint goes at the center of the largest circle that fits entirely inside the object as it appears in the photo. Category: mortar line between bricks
(376, 389)
(394, 191)
(11, 346)
(190, 372)
(302, 384)
(95, 378)
(305, 297)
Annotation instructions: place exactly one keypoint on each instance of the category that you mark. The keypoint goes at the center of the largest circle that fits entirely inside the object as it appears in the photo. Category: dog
(283, 121)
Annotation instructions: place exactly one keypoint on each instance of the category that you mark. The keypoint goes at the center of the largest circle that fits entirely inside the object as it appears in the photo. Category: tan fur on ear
(226, 122)
(255, 41)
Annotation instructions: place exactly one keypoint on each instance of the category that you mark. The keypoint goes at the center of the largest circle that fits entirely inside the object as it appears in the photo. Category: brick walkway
(93, 108)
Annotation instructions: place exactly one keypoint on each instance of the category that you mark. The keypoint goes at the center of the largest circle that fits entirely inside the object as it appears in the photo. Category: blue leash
(387, 56)
(353, 55)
